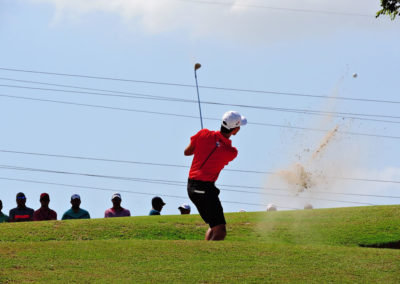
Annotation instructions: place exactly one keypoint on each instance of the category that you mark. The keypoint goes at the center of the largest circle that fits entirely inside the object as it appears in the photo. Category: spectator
(75, 212)
(21, 213)
(3, 217)
(44, 212)
(157, 204)
(185, 209)
(116, 210)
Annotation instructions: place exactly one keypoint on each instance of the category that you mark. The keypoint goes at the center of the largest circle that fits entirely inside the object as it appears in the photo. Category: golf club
(197, 66)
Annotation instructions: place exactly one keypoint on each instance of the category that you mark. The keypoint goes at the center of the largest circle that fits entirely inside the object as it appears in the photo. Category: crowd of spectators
(22, 213)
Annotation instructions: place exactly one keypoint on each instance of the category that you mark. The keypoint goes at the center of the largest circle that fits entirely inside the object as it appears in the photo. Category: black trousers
(204, 195)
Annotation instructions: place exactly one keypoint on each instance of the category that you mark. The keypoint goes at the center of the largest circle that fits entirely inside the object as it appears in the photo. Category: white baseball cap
(232, 119)
(75, 196)
(184, 206)
(116, 195)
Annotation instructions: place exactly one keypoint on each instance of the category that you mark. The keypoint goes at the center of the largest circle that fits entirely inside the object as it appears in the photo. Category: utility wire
(191, 116)
(254, 6)
(191, 86)
(140, 95)
(296, 196)
(176, 166)
(169, 182)
(129, 191)
(93, 159)
(279, 109)
(164, 182)
(359, 194)
(102, 107)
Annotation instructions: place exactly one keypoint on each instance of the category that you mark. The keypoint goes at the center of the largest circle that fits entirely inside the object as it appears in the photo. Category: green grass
(294, 246)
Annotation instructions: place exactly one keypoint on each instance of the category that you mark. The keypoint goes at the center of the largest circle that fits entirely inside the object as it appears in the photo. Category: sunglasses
(21, 197)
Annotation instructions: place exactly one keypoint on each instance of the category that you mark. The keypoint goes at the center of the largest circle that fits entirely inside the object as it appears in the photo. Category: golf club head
(197, 66)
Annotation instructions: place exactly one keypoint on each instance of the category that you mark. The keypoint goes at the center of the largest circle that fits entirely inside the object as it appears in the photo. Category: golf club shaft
(198, 99)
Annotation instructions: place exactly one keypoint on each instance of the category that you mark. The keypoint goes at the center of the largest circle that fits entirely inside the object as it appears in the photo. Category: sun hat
(184, 206)
(116, 195)
(75, 196)
(157, 201)
(44, 196)
(21, 195)
(232, 119)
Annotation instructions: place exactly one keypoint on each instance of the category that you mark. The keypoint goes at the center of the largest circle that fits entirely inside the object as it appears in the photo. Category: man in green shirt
(3, 217)
(75, 212)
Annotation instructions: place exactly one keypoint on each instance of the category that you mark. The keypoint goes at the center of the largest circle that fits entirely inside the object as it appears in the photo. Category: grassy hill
(293, 246)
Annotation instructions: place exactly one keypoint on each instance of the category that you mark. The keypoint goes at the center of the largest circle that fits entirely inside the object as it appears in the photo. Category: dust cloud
(317, 162)
(301, 177)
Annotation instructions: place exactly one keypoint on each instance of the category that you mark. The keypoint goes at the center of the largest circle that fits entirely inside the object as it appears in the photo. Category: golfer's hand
(189, 150)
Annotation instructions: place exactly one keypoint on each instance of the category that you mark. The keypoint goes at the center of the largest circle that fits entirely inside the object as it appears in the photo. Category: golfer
(212, 152)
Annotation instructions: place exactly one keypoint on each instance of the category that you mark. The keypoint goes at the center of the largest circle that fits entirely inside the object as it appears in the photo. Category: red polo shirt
(212, 152)
(43, 214)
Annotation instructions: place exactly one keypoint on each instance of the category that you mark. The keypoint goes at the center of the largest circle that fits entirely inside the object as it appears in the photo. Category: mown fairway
(294, 246)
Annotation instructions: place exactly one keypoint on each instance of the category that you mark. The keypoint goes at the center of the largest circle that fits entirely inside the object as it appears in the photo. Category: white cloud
(234, 21)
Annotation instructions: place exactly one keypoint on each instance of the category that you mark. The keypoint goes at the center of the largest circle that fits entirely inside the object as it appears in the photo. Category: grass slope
(292, 246)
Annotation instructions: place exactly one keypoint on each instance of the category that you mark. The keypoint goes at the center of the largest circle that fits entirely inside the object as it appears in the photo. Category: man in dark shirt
(76, 212)
(157, 204)
(3, 217)
(21, 213)
(44, 212)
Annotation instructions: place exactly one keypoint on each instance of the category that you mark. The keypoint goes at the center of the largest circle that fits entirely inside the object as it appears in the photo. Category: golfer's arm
(189, 150)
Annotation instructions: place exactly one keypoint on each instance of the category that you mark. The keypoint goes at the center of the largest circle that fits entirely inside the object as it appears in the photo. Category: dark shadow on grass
(389, 245)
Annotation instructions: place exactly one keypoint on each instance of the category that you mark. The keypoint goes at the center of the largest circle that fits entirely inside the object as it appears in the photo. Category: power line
(195, 117)
(369, 180)
(314, 191)
(191, 86)
(359, 194)
(101, 106)
(174, 183)
(140, 95)
(321, 130)
(300, 197)
(73, 86)
(177, 166)
(156, 181)
(279, 109)
(171, 182)
(232, 4)
(129, 191)
(93, 159)
(183, 166)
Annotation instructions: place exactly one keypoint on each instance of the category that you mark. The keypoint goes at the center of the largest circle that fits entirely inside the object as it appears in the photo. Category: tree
(389, 7)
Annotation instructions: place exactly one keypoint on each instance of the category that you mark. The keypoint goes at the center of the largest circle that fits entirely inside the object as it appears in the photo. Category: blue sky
(239, 46)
